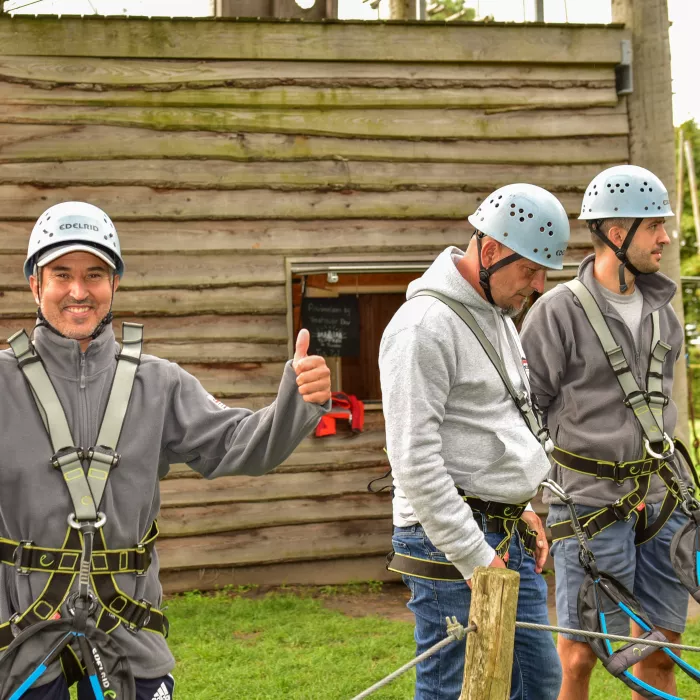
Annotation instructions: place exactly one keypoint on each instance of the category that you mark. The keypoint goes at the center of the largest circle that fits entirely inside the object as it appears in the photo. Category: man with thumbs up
(109, 424)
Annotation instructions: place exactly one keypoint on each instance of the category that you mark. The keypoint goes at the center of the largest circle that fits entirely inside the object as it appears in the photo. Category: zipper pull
(82, 370)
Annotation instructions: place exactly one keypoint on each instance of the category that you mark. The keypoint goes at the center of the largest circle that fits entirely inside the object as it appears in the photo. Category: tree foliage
(450, 8)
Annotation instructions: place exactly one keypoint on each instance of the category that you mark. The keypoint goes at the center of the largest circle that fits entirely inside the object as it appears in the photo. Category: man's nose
(538, 281)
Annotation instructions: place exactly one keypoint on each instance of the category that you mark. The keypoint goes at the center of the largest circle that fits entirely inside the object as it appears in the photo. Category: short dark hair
(604, 225)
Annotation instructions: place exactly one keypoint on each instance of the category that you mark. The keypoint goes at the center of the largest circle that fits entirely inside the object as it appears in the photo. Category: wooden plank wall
(222, 147)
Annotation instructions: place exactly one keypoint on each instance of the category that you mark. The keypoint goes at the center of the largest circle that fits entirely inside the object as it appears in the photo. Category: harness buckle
(140, 618)
(619, 511)
(59, 459)
(635, 397)
(141, 552)
(105, 455)
(17, 556)
(71, 603)
(668, 452)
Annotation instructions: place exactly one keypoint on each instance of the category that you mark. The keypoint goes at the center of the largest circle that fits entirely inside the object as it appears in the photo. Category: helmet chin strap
(98, 329)
(486, 272)
(621, 252)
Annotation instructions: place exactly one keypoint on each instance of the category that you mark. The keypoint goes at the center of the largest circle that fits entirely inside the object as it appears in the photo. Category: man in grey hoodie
(603, 453)
(465, 447)
(74, 266)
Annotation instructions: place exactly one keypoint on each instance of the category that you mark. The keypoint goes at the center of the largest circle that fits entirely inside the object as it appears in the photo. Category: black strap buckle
(140, 616)
(620, 510)
(18, 556)
(633, 396)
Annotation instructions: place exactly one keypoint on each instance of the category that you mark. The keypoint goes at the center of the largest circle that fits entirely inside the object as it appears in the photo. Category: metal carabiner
(665, 455)
(97, 524)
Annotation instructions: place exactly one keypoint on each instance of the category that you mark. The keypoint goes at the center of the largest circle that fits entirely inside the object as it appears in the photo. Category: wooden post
(690, 164)
(679, 183)
(403, 9)
(488, 663)
(652, 138)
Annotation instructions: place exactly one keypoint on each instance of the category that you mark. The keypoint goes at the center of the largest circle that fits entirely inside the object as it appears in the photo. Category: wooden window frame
(295, 266)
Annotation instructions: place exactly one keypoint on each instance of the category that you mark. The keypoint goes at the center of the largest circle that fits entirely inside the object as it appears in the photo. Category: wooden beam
(304, 573)
(173, 302)
(168, 270)
(207, 520)
(323, 97)
(365, 237)
(172, 331)
(24, 202)
(342, 41)
(270, 545)
(500, 123)
(32, 142)
(89, 73)
(302, 175)
(180, 493)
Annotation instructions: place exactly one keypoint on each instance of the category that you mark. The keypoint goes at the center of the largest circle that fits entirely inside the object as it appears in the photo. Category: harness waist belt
(615, 471)
(28, 557)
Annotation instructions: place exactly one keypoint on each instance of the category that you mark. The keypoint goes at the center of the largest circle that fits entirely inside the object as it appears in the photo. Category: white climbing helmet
(71, 226)
(625, 191)
(528, 220)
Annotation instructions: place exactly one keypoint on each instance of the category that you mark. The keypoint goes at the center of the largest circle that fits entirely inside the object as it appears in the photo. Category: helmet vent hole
(51, 235)
(548, 256)
(497, 205)
(646, 208)
(650, 190)
(500, 196)
(490, 201)
(622, 191)
(505, 235)
(549, 223)
(615, 208)
(641, 189)
(529, 216)
(534, 250)
(520, 211)
(45, 231)
(546, 249)
(512, 206)
(627, 184)
(512, 213)
(551, 233)
(617, 185)
(522, 218)
(646, 183)
(542, 229)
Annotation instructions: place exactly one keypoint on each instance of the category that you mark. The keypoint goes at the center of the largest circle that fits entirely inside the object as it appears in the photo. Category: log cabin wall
(224, 148)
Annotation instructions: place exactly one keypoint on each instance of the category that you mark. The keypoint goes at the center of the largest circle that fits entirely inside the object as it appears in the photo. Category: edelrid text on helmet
(528, 220)
(74, 223)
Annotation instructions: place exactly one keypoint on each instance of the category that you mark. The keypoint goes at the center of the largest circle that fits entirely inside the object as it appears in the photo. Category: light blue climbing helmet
(627, 192)
(69, 227)
(528, 220)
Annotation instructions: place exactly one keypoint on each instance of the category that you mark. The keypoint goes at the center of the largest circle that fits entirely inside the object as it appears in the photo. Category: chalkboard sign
(334, 325)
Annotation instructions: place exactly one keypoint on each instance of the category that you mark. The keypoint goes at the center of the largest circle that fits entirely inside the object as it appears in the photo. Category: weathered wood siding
(219, 148)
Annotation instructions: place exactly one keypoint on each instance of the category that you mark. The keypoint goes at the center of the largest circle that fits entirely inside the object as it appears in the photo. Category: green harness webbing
(83, 555)
(648, 409)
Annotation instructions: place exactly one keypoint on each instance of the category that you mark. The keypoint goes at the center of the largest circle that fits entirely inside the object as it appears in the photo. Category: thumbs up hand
(313, 375)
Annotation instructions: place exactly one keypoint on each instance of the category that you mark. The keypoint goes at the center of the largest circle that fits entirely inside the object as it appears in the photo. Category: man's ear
(115, 282)
(489, 251)
(617, 235)
(34, 285)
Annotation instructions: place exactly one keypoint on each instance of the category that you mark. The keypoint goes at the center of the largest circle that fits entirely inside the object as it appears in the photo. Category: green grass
(233, 647)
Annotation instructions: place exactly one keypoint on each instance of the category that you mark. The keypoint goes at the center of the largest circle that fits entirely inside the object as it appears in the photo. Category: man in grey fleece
(465, 457)
(74, 266)
(594, 429)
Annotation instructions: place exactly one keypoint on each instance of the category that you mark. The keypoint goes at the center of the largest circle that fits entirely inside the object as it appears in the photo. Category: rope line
(455, 632)
(600, 635)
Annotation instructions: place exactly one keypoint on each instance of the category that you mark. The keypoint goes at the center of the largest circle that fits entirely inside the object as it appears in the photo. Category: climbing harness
(660, 451)
(497, 517)
(84, 556)
(599, 591)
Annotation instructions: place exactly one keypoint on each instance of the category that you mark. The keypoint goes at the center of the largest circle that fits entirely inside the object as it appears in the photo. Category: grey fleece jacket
(576, 388)
(170, 419)
(449, 418)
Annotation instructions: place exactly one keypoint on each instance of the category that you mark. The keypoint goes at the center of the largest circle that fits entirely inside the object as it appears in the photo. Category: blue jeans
(536, 667)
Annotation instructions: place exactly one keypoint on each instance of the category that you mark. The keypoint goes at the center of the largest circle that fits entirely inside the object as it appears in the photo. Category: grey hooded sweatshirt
(576, 388)
(450, 421)
(171, 418)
